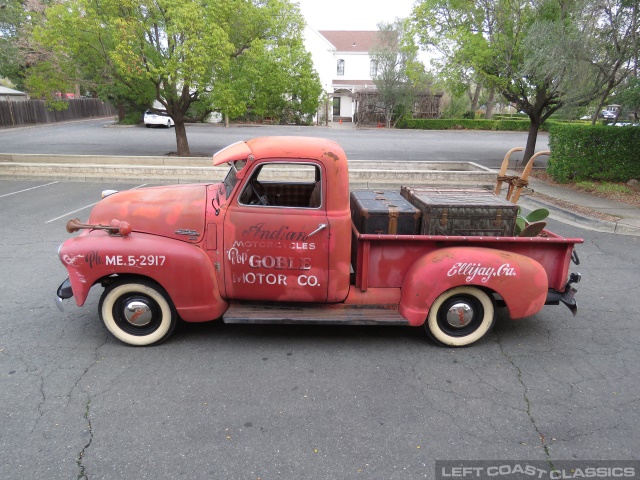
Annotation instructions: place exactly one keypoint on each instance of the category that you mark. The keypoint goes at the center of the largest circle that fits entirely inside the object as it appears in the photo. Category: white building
(341, 58)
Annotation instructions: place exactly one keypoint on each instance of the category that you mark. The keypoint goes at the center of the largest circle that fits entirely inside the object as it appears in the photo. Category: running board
(313, 313)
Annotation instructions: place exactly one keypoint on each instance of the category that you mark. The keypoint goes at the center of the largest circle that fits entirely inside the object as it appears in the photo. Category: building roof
(354, 83)
(356, 41)
(10, 91)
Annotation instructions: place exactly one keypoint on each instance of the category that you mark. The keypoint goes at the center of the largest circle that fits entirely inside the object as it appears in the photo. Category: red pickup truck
(275, 243)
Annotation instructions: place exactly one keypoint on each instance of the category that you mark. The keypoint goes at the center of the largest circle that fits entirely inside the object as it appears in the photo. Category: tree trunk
(181, 139)
(492, 96)
(531, 140)
(121, 112)
(476, 98)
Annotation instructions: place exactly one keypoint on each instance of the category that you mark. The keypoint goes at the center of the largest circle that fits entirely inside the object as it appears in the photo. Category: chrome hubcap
(459, 315)
(138, 313)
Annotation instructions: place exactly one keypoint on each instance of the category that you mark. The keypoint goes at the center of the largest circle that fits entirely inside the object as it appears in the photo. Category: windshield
(231, 179)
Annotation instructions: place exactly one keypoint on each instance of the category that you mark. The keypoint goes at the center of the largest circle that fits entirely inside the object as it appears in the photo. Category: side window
(289, 185)
(340, 67)
(373, 68)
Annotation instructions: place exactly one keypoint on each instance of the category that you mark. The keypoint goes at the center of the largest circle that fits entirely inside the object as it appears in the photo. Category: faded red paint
(205, 248)
(519, 280)
(158, 210)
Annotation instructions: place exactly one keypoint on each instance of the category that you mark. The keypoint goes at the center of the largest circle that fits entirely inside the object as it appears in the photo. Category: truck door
(276, 235)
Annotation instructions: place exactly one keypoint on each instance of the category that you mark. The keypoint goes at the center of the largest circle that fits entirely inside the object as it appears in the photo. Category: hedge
(586, 152)
(465, 124)
(515, 116)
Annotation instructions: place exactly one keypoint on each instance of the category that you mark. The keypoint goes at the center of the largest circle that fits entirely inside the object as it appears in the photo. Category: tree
(398, 69)
(536, 54)
(614, 30)
(275, 81)
(177, 49)
(629, 96)
(460, 33)
(18, 50)
(10, 20)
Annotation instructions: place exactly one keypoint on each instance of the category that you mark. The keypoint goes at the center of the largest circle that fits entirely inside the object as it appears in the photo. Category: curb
(362, 173)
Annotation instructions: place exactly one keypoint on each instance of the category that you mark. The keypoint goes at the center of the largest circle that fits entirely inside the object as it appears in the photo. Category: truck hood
(176, 211)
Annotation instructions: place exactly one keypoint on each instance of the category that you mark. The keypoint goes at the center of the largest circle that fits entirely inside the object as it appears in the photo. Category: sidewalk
(629, 216)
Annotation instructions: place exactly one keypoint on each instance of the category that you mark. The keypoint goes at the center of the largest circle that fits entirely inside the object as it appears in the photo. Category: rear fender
(182, 269)
(520, 281)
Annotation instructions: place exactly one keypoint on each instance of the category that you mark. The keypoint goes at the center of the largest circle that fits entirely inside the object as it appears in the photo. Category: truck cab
(284, 221)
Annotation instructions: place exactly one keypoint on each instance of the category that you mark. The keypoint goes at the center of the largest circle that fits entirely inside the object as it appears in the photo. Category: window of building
(373, 68)
(340, 67)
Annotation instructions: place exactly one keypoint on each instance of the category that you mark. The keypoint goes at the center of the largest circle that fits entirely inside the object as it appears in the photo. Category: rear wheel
(460, 317)
(137, 312)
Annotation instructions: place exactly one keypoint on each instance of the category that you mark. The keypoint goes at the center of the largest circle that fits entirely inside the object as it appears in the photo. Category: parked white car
(607, 115)
(157, 118)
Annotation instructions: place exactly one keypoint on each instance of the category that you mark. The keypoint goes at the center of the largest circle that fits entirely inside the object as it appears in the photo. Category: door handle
(321, 226)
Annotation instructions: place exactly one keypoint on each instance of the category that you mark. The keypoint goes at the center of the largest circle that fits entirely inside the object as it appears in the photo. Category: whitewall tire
(137, 312)
(460, 316)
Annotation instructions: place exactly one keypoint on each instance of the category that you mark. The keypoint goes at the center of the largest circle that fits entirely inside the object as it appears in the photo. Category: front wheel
(137, 312)
(460, 317)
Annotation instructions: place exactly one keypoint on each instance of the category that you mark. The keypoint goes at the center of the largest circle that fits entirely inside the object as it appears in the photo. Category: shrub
(131, 118)
(513, 116)
(585, 152)
(465, 124)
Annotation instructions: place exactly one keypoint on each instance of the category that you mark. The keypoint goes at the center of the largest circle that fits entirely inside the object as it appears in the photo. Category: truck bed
(381, 261)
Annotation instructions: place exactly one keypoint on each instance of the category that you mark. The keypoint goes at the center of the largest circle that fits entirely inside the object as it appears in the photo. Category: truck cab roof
(280, 148)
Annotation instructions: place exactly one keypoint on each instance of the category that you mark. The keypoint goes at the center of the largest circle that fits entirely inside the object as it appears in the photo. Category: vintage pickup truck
(275, 243)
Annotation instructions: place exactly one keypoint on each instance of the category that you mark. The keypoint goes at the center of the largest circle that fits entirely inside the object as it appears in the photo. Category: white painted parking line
(27, 189)
(83, 208)
(69, 213)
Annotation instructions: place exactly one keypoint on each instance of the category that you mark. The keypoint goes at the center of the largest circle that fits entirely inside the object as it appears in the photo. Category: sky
(352, 14)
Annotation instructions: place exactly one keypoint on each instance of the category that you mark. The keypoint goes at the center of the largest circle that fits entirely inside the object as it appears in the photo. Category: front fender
(182, 269)
(519, 280)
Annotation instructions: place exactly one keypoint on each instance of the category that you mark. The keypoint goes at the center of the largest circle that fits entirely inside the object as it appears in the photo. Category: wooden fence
(370, 110)
(28, 112)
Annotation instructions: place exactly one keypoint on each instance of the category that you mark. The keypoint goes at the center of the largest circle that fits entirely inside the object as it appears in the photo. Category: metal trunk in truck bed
(473, 214)
(384, 212)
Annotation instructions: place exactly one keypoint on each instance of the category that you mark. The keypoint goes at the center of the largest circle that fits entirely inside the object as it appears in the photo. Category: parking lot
(101, 137)
(223, 401)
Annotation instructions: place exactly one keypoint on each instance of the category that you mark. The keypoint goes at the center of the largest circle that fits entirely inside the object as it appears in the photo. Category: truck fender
(182, 269)
(519, 280)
